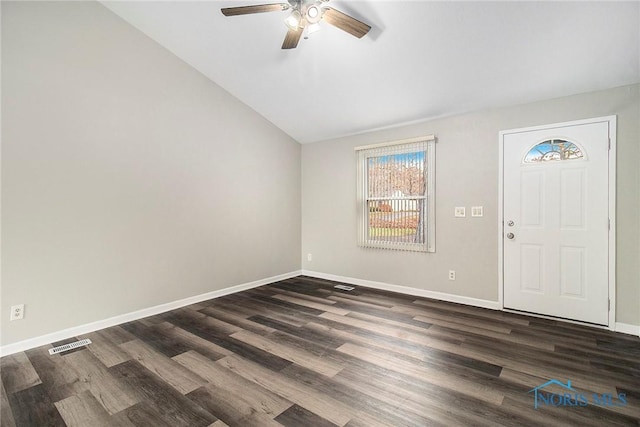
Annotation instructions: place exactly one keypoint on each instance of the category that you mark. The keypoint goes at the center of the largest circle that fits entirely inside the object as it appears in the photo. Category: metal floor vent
(70, 346)
(344, 287)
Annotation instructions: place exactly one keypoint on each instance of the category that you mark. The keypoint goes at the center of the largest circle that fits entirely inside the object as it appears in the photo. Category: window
(552, 150)
(396, 195)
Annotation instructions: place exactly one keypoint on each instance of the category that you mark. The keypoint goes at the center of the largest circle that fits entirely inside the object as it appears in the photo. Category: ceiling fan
(305, 15)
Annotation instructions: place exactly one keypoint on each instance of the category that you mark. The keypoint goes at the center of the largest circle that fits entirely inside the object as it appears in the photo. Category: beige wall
(128, 178)
(466, 175)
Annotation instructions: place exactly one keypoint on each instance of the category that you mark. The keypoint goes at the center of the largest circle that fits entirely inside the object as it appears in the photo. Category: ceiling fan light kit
(304, 18)
(293, 20)
(313, 14)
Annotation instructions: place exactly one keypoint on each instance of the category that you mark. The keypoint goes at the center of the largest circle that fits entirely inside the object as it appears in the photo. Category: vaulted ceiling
(421, 60)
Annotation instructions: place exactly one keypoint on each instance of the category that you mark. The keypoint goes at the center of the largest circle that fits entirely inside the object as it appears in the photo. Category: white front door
(556, 220)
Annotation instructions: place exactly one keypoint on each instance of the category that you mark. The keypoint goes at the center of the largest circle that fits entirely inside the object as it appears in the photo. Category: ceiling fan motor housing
(309, 9)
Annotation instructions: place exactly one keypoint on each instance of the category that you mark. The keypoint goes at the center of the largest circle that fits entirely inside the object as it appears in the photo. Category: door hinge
(609, 305)
(609, 143)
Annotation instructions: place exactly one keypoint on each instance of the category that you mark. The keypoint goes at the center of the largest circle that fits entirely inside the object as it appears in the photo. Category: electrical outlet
(309, 257)
(452, 275)
(459, 212)
(477, 211)
(17, 312)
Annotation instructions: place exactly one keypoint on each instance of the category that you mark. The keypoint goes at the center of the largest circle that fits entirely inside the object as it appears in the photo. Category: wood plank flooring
(301, 353)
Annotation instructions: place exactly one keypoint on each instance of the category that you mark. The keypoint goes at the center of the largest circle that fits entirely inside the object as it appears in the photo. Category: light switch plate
(477, 211)
(459, 212)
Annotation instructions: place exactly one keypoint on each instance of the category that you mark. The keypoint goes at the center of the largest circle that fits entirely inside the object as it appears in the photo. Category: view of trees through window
(396, 186)
(552, 150)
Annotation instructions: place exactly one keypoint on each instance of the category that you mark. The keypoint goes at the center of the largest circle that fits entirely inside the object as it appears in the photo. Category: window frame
(363, 154)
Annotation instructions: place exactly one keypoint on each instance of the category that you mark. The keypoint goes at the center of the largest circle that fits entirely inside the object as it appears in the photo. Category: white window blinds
(395, 195)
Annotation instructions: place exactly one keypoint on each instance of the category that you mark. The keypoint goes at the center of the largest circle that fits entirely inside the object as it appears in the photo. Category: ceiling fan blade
(345, 22)
(257, 8)
(292, 38)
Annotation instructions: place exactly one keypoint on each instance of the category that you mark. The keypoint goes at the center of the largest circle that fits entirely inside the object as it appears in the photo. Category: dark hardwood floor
(301, 353)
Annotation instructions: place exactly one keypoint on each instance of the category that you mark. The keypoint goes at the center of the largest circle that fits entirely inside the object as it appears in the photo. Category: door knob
(510, 236)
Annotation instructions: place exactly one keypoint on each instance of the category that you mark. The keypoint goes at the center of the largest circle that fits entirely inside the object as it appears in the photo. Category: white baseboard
(442, 296)
(30, 343)
(626, 328)
(135, 315)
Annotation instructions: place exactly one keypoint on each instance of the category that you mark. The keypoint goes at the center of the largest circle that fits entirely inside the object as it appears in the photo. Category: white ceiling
(421, 60)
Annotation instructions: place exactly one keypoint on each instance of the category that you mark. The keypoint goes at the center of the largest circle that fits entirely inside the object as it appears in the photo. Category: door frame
(611, 120)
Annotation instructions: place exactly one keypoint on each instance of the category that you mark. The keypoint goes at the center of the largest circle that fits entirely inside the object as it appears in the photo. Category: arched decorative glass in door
(553, 150)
